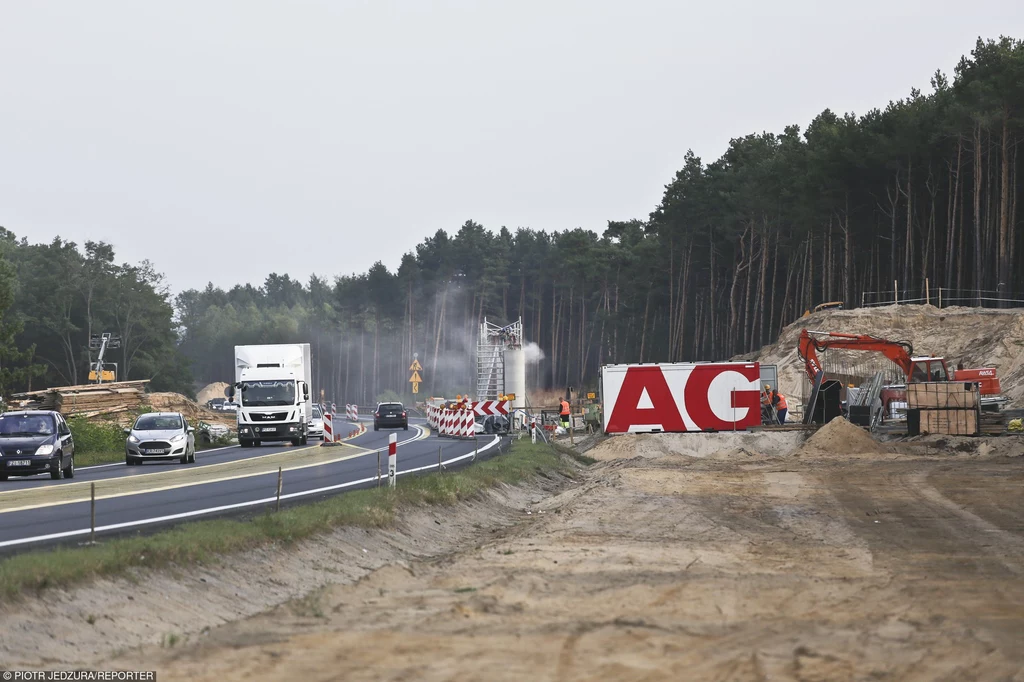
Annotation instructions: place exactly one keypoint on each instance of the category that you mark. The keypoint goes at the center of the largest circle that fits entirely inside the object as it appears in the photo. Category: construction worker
(779, 403)
(564, 413)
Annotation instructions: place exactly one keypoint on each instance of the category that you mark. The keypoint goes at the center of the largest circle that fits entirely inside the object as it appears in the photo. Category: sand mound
(211, 391)
(839, 437)
(977, 337)
(699, 445)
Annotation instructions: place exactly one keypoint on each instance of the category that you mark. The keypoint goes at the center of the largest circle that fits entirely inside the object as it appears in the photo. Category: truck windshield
(268, 393)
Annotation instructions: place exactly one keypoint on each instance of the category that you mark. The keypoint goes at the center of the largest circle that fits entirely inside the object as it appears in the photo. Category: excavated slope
(978, 337)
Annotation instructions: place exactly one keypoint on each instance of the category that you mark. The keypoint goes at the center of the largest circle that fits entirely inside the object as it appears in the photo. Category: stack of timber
(88, 400)
(945, 407)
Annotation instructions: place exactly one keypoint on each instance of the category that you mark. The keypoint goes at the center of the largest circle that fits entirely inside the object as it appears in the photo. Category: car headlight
(132, 438)
(45, 450)
(177, 439)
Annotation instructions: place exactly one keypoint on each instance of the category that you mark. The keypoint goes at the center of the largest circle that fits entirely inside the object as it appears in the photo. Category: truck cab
(272, 406)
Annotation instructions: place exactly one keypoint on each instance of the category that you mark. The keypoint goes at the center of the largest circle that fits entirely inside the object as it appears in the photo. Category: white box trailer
(680, 397)
(272, 384)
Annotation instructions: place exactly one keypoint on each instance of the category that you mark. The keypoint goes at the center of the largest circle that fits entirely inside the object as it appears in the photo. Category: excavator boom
(900, 352)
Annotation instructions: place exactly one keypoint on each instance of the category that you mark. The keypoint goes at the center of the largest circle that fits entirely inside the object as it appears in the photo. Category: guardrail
(942, 297)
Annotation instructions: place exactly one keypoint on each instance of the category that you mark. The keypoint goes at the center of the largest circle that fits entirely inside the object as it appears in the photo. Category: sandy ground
(714, 556)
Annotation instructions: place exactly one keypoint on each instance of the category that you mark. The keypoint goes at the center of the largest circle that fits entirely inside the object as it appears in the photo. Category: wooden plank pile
(945, 407)
(88, 400)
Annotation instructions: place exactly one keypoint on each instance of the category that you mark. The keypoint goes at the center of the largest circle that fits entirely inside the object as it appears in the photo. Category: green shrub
(96, 437)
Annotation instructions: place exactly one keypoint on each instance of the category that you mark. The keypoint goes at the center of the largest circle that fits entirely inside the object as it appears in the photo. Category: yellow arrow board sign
(415, 367)
(415, 379)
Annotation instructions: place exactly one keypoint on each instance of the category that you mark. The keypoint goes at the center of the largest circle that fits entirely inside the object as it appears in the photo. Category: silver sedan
(160, 435)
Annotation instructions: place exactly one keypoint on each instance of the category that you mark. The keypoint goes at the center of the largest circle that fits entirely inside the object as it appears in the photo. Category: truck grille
(257, 417)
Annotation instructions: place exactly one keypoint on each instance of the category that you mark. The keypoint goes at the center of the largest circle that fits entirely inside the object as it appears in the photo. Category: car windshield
(316, 412)
(158, 422)
(26, 425)
(268, 393)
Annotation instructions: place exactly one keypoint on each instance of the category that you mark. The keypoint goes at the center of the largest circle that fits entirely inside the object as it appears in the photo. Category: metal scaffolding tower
(490, 356)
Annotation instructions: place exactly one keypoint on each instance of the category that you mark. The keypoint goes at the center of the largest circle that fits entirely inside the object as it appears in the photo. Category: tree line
(923, 190)
(55, 296)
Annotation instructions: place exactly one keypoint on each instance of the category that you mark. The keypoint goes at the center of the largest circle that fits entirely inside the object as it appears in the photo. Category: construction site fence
(942, 297)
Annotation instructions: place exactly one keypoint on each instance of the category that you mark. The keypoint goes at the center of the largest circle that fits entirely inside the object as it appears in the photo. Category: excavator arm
(900, 352)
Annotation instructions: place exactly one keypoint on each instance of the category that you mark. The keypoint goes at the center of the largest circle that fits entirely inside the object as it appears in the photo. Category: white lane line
(121, 464)
(228, 507)
(422, 434)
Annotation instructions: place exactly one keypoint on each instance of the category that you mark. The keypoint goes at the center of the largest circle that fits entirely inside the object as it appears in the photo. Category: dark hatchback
(390, 415)
(36, 442)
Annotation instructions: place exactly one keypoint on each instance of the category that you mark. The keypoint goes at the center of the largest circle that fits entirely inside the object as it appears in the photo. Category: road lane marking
(24, 499)
(121, 464)
(229, 507)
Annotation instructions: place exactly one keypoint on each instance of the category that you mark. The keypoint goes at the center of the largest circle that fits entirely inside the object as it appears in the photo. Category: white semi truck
(272, 389)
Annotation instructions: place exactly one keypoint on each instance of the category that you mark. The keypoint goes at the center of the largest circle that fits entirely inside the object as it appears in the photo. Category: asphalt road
(38, 510)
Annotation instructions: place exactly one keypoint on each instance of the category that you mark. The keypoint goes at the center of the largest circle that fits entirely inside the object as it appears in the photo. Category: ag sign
(681, 397)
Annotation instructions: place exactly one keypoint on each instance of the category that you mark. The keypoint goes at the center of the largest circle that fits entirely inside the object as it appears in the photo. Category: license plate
(268, 429)
(154, 452)
(19, 462)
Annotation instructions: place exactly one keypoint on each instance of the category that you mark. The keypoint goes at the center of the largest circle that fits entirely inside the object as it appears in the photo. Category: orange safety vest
(565, 408)
(783, 405)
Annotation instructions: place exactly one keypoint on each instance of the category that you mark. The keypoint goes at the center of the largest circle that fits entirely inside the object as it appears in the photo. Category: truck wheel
(305, 439)
(257, 443)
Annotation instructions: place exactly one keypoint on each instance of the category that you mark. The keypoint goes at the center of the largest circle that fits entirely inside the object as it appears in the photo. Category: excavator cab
(929, 369)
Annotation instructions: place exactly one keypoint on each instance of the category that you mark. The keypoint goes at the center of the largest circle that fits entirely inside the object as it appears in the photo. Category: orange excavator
(916, 370)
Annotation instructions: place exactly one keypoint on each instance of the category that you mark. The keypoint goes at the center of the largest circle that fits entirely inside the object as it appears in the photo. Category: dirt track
(722, 563)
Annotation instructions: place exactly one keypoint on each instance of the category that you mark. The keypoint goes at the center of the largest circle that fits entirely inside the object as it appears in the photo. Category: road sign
(415, 366)
(591, 396)
(415, 388)
(415, 378)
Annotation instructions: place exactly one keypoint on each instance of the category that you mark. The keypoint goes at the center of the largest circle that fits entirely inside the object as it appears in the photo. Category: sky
(226, 140)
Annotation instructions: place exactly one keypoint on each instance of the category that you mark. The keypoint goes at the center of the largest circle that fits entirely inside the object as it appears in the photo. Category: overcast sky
(227, 140)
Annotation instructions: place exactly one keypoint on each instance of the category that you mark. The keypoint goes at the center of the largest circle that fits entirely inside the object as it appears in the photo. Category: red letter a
(663, 412)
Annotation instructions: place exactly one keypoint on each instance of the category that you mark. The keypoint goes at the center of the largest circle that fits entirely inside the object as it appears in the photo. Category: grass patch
(465, 589)
(205, 541)
(569, 452)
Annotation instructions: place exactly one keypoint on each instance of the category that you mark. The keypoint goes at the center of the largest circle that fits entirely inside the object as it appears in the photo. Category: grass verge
(204, 541)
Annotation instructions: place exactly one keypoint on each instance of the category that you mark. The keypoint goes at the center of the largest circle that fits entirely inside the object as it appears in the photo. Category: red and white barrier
(486, 408)
(679, 397)
(352, 413)
(328, 427)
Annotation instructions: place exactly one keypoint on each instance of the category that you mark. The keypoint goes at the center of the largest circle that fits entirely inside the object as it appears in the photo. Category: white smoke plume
(533, 353)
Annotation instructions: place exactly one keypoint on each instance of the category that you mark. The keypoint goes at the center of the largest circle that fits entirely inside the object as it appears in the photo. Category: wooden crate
(950, 422)
(944, 395)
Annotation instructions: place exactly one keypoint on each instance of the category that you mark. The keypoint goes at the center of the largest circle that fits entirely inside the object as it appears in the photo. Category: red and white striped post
(328, 427)
(533, 429)
(392, 459)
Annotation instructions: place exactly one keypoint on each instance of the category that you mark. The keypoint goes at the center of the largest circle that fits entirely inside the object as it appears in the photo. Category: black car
(36, 442)
(390, 415)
